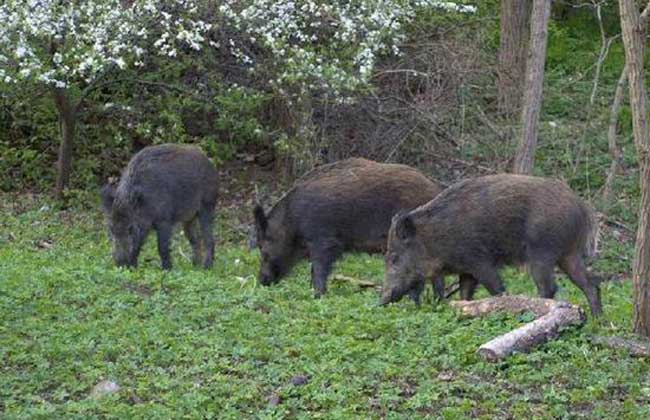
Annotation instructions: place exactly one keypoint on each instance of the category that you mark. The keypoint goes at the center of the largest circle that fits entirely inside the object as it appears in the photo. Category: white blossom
(313, 44)
(90, 36)
(334, 45)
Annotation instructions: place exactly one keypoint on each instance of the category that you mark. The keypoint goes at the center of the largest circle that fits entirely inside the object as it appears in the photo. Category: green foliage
(28, 133)
(142, 109)
(215, 344)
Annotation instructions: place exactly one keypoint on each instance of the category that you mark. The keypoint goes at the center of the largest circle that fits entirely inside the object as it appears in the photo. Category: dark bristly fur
(476, 226)
(161, 186)
(339, 207)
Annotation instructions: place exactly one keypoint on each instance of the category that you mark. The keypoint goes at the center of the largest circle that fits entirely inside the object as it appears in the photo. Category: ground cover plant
(214, 344)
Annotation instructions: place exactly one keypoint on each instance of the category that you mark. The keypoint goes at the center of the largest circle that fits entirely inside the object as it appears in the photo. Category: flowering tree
(299, 47)
(318, 44)
(314, 48)
(71, 48)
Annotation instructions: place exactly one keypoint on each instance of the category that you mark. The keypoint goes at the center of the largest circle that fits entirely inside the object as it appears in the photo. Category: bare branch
(605, 44)
(646, 11)
(614, 150)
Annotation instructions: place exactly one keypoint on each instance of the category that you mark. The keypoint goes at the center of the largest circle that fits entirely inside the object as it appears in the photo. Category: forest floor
(214, 344)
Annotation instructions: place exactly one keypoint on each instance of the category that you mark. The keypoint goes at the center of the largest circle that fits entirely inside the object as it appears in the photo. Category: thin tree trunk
(605, 43)
(633, 38)
(614, 151)
(533, 88)
(513, 50)
(67, 120)
(304, 132)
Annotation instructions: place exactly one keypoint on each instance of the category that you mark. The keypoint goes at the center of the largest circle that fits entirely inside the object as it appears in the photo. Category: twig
(399, 144)
(613, 222)
(488, 123)
(605, 43)
(614, 150)
(451, 290)
(463, 162)
(407, 71)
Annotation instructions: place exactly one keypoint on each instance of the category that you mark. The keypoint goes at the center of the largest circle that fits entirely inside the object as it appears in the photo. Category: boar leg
(164, 232)
(438, 283)
(416, 292)
(574, 267)
(192, 234)
(468, 285)
(489, 277)
(322, 259)
(542, 273)
(206, 217)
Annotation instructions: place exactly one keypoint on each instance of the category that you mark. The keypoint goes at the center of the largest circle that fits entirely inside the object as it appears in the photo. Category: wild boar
(161, 186)
(339, 207)
(476, 226)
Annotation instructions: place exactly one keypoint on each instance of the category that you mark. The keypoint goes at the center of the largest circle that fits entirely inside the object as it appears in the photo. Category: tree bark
(633, 38)
(513, 49)
(533, 88)
(67, 120)
(551, 316)
(636, 348)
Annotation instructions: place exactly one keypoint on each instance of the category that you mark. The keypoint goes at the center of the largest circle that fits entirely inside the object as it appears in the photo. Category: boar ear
(261, 222)
(108, 196)
(404, 227)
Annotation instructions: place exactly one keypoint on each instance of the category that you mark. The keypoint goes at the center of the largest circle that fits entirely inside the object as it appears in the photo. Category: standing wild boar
(161, 186)
(478, 225)
(343, 206)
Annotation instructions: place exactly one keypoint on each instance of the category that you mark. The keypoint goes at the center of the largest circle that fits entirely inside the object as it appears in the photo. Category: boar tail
(592, 240)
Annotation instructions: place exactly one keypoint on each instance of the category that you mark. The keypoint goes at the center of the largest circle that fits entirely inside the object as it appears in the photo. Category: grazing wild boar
(478, 225)
(161, 186)
(343, 206)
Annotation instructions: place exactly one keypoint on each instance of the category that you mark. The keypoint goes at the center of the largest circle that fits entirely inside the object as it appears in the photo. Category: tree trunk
(633, 38)
(533, 88)
(67, 121)
(303, 133)
(513, 49)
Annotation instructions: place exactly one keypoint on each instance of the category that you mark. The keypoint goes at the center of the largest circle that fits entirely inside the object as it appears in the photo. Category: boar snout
(265, 279)
(388, 296)
(269, 277)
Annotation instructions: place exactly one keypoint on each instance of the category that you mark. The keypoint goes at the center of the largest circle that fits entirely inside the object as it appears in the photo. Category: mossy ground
(214, 344)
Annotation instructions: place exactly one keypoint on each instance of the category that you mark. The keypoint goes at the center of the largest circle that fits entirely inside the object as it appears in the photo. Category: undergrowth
(214, 344)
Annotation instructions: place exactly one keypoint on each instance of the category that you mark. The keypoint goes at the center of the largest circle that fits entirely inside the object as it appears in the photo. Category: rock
(300, 380)
(446, 376)
(274, 399)
(104, 388)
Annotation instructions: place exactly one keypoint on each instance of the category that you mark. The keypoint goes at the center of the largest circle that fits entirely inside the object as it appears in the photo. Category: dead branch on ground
(551, 316)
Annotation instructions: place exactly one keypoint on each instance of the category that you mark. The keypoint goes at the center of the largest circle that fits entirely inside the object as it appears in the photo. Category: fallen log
(552, 315)
(357, 282)
(636, 348)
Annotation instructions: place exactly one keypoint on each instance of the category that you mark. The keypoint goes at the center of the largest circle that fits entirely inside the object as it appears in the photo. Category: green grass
(214, 344)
